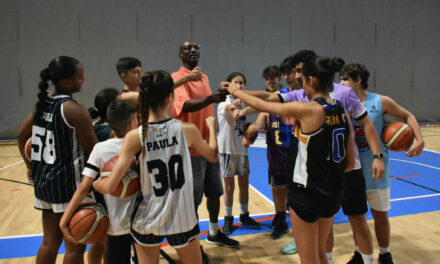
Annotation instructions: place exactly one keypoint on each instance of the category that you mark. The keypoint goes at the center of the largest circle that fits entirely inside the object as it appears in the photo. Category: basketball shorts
(310, 205)
(206, 178)
(379, 199)
(232, 165)
(55, 207)
(278, 180)
(175, 240)
(354, 200)
(119, 249)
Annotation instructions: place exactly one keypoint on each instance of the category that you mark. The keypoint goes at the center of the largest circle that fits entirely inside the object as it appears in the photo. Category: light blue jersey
(373, 104)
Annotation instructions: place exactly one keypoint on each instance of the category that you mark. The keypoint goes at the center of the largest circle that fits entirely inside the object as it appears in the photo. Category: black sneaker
(205, 259)
(356, 259)
(227, 226)
(280, 231)
(275, 221)
(246, 220)
(385, 258)
(223, 240)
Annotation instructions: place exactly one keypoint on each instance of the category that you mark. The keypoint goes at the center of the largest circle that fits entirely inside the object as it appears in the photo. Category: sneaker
(274, 221)
(246, 220)
(227, 226)
(223, 240)
(280, 231)
(356, 259)
(289, 249)
(385, 258)
(205, 259)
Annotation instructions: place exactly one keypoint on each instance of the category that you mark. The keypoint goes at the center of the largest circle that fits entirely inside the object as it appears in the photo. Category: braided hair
(154, 88)
(60, 68)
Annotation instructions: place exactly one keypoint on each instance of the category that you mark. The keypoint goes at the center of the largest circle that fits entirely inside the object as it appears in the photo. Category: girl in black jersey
(325, 151)
(62, 135)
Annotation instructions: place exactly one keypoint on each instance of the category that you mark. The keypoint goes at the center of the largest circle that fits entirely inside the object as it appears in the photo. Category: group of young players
(167, 123)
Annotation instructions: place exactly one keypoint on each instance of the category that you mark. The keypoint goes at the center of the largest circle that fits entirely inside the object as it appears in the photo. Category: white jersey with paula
(166, 179)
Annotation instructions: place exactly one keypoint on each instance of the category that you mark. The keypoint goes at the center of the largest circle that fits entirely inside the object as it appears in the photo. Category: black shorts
(175, 240)
(354, 200)
(310, 205)
(119, 249)
(278, 180)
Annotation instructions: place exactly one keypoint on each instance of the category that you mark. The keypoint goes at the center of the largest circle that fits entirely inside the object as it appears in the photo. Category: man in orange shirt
(193, 103)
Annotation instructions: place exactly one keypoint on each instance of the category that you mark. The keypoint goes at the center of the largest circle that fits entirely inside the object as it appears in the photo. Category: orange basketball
(397, 136)
(129, 184)
(28, 149)
(90, 223)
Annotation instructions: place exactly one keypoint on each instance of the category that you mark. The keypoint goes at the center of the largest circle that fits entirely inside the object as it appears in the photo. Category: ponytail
(323, 69)
(42, 95)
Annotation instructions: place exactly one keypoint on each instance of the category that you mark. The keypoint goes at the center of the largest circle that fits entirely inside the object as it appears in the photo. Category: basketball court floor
(415, 212)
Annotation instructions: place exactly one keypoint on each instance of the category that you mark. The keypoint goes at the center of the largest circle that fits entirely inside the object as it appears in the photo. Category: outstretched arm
(195, 140)
(194, 105)
(253, 128)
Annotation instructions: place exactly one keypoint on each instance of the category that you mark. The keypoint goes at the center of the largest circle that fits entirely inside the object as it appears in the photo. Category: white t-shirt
(119, 209)
(230, 130)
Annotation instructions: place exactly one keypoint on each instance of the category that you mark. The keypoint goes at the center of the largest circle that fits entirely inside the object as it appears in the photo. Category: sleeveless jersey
(230, 130)
(276, 150)
(320, 159)
(57, 155)
(167, 205)
(119, 209)
(373, 103)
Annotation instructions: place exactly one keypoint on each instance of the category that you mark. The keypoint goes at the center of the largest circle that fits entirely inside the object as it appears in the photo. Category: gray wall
(397, 39)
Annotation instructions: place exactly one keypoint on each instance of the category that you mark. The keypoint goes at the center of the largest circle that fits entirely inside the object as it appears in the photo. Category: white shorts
(231, 165)
(57, 207)
(379, 199)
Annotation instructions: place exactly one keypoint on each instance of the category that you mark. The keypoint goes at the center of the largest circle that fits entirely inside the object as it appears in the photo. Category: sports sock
(368, 258)
(384, 250)
(329, 256)
(213, 228)
(357, 249)
(243, 208)
(228, 210)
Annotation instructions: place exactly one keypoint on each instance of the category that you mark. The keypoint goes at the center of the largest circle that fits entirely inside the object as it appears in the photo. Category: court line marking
(413, 162)
(415, 197)
(10, 165)
(260, 193)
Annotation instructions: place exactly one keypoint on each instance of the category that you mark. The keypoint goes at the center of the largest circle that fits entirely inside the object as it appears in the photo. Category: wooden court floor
(414, 238)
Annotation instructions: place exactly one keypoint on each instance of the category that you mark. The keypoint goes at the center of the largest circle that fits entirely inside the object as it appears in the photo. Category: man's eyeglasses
(189, 47)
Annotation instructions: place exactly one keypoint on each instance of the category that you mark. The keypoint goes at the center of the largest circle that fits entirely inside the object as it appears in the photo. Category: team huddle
(323, 153)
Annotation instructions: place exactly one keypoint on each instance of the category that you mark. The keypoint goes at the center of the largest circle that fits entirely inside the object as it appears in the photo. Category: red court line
(16, 190)
(406, 176)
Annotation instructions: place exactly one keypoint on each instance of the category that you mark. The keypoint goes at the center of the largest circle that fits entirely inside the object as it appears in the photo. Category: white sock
(329, 256)
(243, 208)
(384, 250)
(213, 228)
(228, 210)
(368, 259)
(357, 249)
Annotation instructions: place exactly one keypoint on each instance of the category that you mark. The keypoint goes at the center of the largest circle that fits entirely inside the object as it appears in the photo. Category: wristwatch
(378, 156)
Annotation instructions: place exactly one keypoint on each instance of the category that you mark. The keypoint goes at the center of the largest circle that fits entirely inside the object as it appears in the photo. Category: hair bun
(94, 113)
(334, 64)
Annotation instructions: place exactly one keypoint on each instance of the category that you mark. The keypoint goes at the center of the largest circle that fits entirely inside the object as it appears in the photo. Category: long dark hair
(154, 88)
(60, 68)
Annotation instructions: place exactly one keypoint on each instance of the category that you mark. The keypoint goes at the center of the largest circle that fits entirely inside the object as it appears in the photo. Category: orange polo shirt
(189, 91)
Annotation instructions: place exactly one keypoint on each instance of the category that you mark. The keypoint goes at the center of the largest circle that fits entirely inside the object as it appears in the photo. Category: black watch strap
(378, 156)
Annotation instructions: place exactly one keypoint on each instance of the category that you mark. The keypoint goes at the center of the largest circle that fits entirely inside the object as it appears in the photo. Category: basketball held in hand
(397, 136)
(129, 184)
(89, 224)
